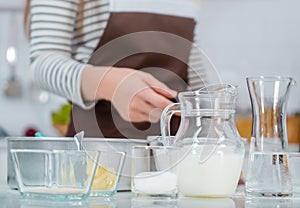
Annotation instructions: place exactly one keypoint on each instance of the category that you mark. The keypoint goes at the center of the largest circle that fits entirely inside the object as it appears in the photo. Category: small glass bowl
(54, 174)
(107, 176)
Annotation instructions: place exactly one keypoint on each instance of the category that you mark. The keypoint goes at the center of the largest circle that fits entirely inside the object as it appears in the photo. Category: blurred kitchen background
(241, 37)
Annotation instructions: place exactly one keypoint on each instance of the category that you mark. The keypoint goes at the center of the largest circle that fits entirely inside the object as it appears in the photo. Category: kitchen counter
(11, 199)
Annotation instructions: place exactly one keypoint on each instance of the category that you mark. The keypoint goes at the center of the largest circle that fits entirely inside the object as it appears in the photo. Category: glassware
(109, 170)
(275, 174)
(67, 143)
(54, 174)
(210, 141)
(268, 99)
(206, 113)
(268, 173)
(153, 172)
(294, 161)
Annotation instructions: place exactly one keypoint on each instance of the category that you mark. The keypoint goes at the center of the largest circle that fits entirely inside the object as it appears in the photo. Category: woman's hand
(136, 95)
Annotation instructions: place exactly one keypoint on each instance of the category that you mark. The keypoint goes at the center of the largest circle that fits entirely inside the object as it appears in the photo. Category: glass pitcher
(213, 150)
(268, 166)
(206, 113)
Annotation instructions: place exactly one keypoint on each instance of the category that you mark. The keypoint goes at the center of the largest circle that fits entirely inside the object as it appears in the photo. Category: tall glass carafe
(212, 148)
(268, 172)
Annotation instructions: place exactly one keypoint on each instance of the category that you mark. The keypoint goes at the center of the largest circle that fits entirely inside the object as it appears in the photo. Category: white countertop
(11, 199)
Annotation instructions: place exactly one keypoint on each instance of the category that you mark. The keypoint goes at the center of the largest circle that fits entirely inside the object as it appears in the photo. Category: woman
(120, 62)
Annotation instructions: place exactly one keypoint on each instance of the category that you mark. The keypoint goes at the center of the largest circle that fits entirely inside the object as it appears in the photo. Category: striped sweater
(62, 42)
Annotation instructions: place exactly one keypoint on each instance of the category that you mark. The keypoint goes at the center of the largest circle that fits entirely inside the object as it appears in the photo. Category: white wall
(242, 38)
(253, 37)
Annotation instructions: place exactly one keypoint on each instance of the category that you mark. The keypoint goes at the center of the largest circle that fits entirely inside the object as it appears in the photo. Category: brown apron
(156, 43)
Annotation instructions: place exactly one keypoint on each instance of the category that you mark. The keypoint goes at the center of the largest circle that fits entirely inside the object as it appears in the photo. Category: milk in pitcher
(213, 150)
(209, 172)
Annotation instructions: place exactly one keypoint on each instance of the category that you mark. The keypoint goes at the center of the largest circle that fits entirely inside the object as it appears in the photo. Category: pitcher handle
(165, 121)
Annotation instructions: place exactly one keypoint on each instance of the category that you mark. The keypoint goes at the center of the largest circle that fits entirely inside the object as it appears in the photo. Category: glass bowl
(54, 174)
(67, 143)
(108, 173)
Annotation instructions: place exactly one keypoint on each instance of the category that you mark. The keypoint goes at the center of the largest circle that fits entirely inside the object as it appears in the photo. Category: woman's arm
(52, 31)
(136, 95)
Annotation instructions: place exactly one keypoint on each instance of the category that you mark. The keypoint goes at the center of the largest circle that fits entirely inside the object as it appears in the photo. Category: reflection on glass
(206, 202)
(270, 202)
(34, 203)
(153, 203)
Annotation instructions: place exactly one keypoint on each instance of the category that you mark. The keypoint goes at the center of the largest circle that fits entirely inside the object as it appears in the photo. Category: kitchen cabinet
(244, 125)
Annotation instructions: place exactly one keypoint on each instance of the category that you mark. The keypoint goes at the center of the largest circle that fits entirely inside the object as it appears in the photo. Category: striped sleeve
(52, 31)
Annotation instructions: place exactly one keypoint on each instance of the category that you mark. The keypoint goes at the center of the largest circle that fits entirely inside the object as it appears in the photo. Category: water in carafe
(268, 173)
